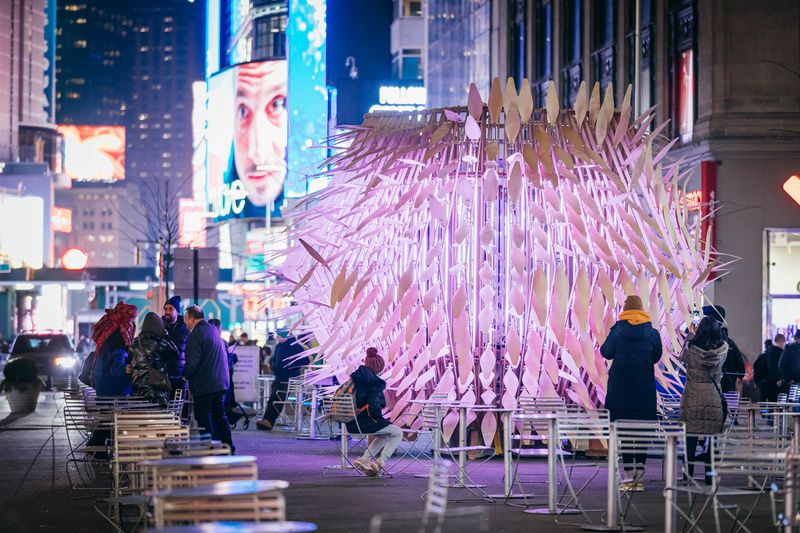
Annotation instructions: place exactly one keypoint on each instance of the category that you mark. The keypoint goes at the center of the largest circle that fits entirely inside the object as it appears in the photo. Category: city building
(93, 62)
(126, 70)
(725, 76)
(167, 58)
(106, 223)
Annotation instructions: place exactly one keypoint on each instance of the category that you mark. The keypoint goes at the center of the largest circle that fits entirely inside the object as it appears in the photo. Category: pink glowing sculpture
(487, 250)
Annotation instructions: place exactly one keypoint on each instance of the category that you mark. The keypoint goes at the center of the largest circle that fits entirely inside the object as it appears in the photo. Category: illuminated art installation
(487, 250)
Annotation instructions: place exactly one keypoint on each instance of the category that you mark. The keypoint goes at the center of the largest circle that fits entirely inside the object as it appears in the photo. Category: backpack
(761, 368)
(86, 375)
(338, 413)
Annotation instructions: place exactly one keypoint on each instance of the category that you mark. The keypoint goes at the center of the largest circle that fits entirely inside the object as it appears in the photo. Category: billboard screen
(246, 135)
(94, 153)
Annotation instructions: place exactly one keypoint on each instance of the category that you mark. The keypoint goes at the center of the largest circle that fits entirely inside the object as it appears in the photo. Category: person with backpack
(369, 403)
(767, 374)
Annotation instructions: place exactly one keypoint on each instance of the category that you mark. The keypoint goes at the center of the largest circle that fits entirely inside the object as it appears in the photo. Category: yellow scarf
(635, 317)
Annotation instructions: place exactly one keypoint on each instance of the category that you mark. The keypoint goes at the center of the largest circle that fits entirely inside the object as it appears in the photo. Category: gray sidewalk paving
(34, 492)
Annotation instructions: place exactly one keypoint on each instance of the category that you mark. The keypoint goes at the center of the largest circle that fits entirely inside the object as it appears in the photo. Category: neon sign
(400, 99)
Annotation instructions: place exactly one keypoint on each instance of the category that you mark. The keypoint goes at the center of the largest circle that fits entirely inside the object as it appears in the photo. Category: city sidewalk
(34, 492)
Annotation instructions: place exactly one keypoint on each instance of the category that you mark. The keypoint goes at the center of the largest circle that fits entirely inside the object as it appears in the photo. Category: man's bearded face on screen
(260, 129)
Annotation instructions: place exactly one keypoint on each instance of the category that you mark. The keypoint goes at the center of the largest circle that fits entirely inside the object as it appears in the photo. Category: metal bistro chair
(434, 517)
(636, 437)
(759, 457)
(341, 406)
(432, 420)
(593, 425)
(789, 519)
(181, 472)
(229, 501)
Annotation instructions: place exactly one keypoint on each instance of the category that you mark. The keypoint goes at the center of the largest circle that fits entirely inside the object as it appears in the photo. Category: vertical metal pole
(298, 409)
(344, 445)
(508, 485)
(613, 479)
(196, 276)
(789, 501)
(671, 481)
(637, 55)
(312, 431)
(551, 465)
(462, 443)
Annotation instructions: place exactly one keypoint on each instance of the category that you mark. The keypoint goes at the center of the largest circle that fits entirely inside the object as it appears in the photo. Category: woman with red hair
(112, 334)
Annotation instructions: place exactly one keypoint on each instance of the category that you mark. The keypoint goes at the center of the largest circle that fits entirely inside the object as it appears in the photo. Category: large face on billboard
(94, 153)
(247, 128)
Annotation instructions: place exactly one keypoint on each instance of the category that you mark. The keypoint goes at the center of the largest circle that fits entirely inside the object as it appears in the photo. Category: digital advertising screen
(94, 153)
(246, 135)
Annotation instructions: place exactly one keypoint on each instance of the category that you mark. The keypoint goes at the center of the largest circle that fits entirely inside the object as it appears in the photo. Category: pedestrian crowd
(171, 351)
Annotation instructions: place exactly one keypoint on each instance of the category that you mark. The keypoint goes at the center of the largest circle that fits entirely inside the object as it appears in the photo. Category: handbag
(155, 378)
(725, 411)
(86, 375)
(158, 380)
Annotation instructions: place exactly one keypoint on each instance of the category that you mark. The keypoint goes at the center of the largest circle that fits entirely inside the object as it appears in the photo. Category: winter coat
(147, 351)
(283, 364)
(634, 349)
(178, 333)
(206, 361)
(789, 363)
(701, 403)
(369, 396)
(733, 367)
(110, 378)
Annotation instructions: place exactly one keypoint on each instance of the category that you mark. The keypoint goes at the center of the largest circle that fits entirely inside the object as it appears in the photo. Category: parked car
(58, 364)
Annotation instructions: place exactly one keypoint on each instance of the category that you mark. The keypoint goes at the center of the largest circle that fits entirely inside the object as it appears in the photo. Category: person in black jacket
(285, 364)
(789, 363)
(151, 350)
(178, 333)
(369, 403)
(767, 373)
(733, 368)
(634, 347)
(208, 375)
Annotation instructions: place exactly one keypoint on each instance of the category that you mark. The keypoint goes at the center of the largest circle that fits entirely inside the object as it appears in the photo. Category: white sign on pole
(245, 373)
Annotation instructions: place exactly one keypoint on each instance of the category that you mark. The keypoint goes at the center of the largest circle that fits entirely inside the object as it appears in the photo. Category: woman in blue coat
(634, 347)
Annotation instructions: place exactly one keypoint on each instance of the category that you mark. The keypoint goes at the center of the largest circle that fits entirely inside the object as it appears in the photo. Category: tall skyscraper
(168, 45)
(132, 64)
(24, 124)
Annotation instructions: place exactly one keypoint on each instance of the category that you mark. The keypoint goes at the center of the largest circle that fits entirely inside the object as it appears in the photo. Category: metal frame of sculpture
(487, 250)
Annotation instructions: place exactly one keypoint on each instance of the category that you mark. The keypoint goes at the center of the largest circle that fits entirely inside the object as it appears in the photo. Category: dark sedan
(54, 355)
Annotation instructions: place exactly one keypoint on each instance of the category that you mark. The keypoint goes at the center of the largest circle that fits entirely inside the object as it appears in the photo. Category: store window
(571, 74)
(783, 281)
(603, 50)
(646, 87)
(518, 57)
(543, 49)
(683, 69)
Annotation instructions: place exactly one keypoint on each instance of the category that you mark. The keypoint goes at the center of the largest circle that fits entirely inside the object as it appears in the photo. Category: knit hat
(633, 303)
(717, 312)
(175, 302)
(373, 361)
(154, 324)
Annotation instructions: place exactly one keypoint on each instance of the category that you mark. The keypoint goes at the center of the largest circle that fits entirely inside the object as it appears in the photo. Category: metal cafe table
(205, 462)
(239, 527)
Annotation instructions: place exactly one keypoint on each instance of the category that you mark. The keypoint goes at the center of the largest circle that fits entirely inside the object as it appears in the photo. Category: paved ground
(34, 491)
